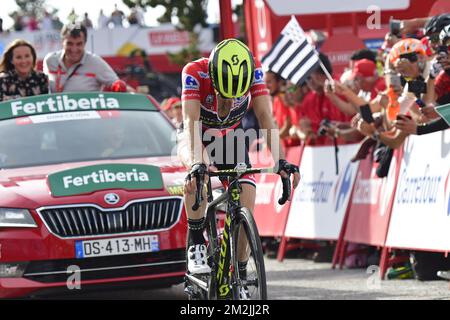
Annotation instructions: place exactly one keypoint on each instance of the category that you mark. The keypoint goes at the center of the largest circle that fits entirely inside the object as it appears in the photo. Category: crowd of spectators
(381, 98)
(51, 21)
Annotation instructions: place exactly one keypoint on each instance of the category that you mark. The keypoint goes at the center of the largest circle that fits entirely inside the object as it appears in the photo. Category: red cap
(364, 68)
(171, 102)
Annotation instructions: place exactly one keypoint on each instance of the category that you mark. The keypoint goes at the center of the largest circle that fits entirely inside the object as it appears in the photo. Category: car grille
(89, 220)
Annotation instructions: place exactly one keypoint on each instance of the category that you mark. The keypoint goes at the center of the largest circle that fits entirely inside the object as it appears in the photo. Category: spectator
(317, 106)
(139, 14)
(434, 26)
(172, 108)
(18, 77)
(366, 79)
(18, 22)
(294, 97)
(86, 21)
(73, 17)
(47, 22)
(408, 58)
(362, 54)
(102, 20)
(117, 17)
(281, 113)
(442, 83)
(74, 68)
(57, 24)
(132, 17)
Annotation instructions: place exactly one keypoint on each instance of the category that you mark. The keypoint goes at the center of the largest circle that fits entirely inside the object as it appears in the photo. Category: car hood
(29, 187)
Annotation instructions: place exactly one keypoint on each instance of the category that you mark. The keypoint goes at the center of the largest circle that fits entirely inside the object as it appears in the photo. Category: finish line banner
(320, 201)
(421, 212)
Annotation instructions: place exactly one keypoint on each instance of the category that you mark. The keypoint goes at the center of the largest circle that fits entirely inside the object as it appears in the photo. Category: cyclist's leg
(196, 249)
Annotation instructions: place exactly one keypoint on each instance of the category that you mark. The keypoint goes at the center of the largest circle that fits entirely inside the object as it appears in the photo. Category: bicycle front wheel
(249, 276)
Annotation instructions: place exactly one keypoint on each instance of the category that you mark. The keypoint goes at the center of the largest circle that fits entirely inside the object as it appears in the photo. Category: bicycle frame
(232, 199)
(222, 270)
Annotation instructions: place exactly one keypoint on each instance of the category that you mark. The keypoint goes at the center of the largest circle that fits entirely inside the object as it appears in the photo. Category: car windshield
(83, 136)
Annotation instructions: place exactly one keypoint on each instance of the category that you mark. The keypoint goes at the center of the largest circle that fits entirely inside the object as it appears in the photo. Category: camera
(394, 27)
(417, 87)
(324, 125)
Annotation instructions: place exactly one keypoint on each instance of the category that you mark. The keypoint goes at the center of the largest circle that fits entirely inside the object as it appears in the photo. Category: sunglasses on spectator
(411, 57)
(434, 38)
(291, 89)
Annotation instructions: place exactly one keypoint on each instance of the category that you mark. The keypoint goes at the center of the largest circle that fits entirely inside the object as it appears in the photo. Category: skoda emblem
(111, 198)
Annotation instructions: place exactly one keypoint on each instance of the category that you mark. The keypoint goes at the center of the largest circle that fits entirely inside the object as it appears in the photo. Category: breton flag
(292, 56)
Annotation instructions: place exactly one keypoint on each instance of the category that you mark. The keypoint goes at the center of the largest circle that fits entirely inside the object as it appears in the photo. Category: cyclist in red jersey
(217, 92)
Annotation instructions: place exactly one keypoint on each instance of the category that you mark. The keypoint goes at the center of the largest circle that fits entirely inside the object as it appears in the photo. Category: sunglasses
(291, 89)
(411, 57)
(434, 38)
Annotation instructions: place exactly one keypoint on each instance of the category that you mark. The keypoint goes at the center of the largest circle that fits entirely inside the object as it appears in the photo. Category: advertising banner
(320, 201)
(421, 212)
(370, 206)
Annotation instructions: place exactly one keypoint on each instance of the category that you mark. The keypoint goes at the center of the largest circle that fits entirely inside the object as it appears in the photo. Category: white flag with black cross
(292, 56)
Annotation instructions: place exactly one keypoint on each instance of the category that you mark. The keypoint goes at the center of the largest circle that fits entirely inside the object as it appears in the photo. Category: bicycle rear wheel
(250, 284)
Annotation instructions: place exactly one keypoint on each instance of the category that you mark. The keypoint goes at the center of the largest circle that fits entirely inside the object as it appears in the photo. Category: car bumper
(165, 268)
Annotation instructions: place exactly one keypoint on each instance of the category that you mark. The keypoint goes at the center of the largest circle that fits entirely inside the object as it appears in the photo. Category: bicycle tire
(245, 220)
(212, 246)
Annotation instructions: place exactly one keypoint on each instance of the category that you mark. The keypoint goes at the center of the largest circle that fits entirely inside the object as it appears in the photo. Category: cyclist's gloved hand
(198, 170)
(285, 169)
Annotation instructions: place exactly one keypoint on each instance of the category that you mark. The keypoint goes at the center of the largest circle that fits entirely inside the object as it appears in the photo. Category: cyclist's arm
(192, 131)
(263, 111)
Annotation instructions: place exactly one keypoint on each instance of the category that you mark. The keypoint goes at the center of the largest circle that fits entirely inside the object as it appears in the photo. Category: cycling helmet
(437, 23)
(231, 68)
(406, 47)
(444, 35)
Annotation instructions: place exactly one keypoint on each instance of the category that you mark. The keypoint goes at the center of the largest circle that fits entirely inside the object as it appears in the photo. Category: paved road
(304, 279)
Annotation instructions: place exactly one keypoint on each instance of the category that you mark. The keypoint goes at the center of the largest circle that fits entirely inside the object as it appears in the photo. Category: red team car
(89, 194)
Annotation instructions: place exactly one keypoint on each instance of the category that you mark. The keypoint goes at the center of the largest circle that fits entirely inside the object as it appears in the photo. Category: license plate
(116, 246)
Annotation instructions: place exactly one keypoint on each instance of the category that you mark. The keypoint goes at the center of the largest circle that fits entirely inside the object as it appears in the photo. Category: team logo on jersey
(209, 99)
(259, 76)
(191, 83)
(203, 75)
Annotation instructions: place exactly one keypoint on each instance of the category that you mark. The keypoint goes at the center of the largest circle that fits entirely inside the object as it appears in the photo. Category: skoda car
(90, 195)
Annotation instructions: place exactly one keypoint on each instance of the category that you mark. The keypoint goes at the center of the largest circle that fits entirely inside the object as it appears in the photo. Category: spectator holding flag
(294, 59)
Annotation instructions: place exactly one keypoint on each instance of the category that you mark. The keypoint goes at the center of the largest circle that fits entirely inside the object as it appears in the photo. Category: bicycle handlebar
(237, 174)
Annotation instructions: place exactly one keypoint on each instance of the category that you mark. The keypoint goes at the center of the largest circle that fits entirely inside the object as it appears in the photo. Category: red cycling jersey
(197, 85)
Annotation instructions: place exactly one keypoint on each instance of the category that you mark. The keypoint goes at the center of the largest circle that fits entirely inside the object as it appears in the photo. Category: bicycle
(225, 280)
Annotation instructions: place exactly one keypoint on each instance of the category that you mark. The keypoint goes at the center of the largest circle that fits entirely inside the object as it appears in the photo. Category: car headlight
(12, 270)
(12, 218)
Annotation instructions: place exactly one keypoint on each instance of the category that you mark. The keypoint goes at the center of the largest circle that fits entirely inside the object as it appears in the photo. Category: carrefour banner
(421, 212)
(370, 206)
(271, 217)
(320, 201)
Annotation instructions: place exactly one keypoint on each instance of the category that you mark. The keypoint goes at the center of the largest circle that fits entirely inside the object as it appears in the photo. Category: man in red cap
(367, 79)
(172, 108)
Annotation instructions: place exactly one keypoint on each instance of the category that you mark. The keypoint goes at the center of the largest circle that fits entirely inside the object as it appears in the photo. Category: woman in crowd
(18, 77)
